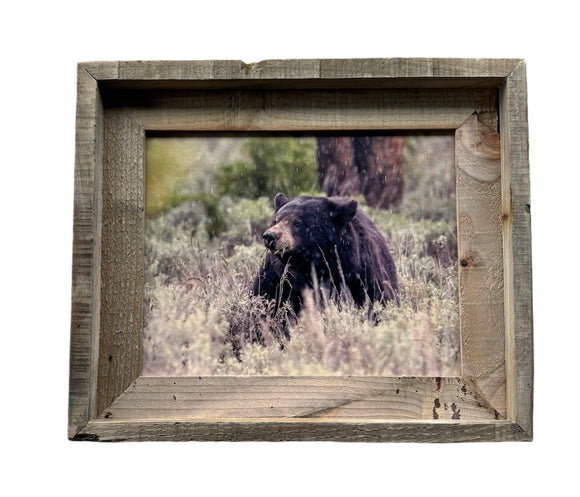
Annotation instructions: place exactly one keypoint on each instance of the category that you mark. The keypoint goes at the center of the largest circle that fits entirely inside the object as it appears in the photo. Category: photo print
(278, 254)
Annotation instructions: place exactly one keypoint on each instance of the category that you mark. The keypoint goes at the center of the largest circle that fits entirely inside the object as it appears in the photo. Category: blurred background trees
(275, 165)
(408, 174)
(368, 165)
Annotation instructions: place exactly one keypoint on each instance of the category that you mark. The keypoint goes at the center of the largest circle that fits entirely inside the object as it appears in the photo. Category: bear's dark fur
(325, 244)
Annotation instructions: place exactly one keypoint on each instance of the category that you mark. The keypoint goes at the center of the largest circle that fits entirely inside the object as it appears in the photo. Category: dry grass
(201, 297)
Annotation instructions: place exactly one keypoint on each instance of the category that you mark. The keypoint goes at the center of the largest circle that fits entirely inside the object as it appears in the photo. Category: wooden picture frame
(119, 102)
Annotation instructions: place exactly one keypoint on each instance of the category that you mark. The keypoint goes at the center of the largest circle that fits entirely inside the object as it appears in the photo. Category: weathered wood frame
(119, 102)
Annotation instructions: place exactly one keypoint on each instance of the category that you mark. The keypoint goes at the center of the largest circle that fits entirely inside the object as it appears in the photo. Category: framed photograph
(302, 250)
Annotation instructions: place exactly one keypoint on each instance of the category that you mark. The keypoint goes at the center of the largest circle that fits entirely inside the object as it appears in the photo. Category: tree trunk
(337, 172)
(368, 165)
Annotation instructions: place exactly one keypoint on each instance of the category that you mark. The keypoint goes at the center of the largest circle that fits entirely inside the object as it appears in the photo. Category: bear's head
(306, 225)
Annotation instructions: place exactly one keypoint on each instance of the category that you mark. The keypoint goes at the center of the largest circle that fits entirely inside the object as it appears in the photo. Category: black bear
(324, 243)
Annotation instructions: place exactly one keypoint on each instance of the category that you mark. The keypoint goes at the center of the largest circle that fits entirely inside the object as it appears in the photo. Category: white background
(41, 42)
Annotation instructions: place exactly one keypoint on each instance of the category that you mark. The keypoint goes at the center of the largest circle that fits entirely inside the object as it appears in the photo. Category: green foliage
(246, 219)
(240, 179)
(280, 164)
(215, 223)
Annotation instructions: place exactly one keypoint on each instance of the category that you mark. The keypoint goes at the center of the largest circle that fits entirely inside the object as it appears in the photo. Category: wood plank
(223, 398)
(395, 72)
(517, 246)
(417, 68)
(305, 110)
(479, 244)
(122, 270)
(302, 430)
(86, 252)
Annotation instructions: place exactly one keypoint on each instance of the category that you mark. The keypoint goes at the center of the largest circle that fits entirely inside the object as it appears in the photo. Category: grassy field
(204, 250)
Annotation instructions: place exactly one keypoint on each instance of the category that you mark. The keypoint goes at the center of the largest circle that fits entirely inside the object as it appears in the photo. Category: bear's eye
(297, 223)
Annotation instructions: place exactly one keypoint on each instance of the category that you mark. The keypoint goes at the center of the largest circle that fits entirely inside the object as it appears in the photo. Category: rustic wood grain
(301, 73)
(85, 308)
(301, 430)
(119, 102)
(298, 110)
(122, 278)
(479, 244)
(517, 247)
(189, 398)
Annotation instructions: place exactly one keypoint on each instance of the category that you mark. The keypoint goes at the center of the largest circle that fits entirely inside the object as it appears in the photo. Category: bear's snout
(269, 240)
(279, 237)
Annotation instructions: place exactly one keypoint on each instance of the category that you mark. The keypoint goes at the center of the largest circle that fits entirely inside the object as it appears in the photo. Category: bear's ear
(343, 211)
(279, 200)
